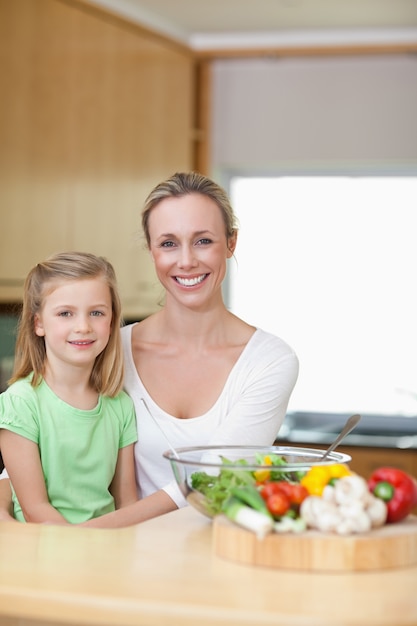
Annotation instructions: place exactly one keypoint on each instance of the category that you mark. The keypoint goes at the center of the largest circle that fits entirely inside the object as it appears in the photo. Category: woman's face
(189, 247)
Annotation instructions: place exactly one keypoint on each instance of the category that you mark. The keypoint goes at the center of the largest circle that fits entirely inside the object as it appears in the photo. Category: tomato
(285, 487)
(278, 503)
(269, 489)
(289, 495)
(298, 493)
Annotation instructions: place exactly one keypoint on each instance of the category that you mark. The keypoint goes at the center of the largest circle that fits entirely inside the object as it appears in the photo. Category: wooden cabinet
(366, 460)
(94, 112)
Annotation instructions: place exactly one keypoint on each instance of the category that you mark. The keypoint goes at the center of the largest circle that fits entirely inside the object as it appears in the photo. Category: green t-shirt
(78, 448)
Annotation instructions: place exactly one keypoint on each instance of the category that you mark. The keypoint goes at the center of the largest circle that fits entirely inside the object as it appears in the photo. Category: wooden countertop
(163, 572)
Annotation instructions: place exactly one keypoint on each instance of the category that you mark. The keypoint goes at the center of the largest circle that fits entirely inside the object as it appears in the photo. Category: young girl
(66, 428)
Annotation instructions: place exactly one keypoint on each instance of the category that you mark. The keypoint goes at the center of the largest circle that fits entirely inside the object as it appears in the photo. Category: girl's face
(189, 247)
(75, 320)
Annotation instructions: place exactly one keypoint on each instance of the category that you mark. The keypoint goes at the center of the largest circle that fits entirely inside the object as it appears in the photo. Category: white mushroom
(345, 508)
(353, 508)
(349, 488)
(346, 526)
(362, 522)
(329, 520)
(310, 509)
(377, 511)
(359, 523)
(328, 493)
(320, 514)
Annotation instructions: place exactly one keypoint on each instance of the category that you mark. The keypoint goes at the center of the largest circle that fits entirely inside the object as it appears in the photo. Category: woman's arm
(123, 486)
(21, 457)
(154, 505)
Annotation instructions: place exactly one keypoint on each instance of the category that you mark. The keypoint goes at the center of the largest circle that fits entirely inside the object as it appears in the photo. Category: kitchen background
(8, 317)
(97, 107)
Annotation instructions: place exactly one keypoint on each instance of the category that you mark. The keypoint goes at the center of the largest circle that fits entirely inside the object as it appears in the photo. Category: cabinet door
(148, 114)
(33, 225)
(93, 114)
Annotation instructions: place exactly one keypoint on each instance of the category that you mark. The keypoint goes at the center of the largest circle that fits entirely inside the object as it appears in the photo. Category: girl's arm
(6, 504)
(154, 505)
(130, 510)
(123, 486)
(132, 513)
(21, 457)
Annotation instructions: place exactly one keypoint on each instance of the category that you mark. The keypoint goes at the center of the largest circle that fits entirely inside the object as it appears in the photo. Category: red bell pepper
(397, 488)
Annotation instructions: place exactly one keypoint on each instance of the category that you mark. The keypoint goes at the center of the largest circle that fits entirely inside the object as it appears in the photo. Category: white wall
(325, 112)
(329, 116)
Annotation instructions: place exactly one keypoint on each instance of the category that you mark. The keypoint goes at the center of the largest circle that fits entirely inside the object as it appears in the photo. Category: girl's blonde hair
(183, 183)
(107, 373)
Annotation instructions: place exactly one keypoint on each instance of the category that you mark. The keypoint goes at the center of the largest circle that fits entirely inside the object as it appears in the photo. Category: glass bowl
(205, 473)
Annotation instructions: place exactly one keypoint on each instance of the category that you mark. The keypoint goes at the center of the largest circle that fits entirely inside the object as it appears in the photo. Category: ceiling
(211, 24)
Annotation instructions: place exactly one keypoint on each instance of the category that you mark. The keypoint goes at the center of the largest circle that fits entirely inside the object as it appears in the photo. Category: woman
(206, 376)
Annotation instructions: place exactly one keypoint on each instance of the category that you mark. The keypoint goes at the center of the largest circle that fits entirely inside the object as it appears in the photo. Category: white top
(249, 411)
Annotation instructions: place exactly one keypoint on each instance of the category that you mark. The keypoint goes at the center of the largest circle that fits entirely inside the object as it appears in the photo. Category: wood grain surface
(164, 572)
(391, 546)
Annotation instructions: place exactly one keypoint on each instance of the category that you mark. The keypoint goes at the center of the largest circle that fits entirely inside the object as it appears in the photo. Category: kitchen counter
(164, 572)
(313, 438)
(373, 431)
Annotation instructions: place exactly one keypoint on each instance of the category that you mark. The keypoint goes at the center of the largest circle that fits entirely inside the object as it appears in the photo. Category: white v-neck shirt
(249, 410)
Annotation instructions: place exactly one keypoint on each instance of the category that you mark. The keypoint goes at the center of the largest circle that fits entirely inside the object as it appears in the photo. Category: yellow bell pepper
(319, 476)
(263, 475)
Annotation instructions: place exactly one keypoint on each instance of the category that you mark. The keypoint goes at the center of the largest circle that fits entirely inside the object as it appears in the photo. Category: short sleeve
(129, 433)
(18, 415)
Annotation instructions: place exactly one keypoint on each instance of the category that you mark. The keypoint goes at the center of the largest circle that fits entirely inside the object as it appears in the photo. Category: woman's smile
(190, 281)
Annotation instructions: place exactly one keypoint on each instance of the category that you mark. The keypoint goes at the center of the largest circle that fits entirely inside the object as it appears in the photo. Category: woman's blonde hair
(183, 183)
(107, 373)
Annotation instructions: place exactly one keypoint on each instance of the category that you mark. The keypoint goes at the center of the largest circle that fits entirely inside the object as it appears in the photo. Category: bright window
(330, 265)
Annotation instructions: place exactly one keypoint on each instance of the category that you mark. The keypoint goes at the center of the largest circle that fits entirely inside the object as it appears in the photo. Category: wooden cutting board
(391, 546)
